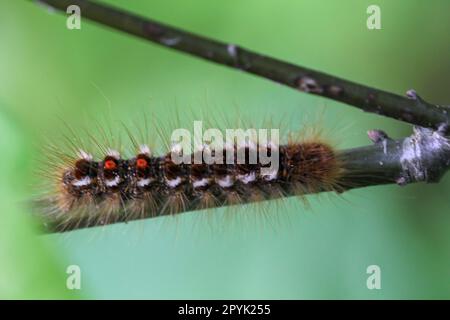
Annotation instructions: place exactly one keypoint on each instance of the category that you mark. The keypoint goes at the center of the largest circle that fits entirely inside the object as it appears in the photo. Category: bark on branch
(413, 110)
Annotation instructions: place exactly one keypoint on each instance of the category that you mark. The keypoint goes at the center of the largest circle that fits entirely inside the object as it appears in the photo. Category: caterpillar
(92, 191)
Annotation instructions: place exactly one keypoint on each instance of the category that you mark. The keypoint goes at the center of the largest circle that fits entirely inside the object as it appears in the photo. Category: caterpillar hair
(82, 190)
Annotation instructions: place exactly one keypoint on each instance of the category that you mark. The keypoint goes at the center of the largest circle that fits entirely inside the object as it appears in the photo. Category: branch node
(232, 50)
(443, 128)
(401, 181)
(334, 90)
(171, 41)
(412, 94)
(425, 156)
(309, 85)
(377, 136)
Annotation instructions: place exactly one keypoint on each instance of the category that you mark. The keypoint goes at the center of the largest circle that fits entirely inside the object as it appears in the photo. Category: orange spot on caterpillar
(110, 164)
(141, 163)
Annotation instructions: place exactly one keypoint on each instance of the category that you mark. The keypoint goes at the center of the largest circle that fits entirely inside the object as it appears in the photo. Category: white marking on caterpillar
(247, 178)
(272, 175)
(144, 182)
(200, 183)
(113, 153)
(112, 182)
(225, 182)
(84, 155)
(173, 182)
(144, 149)
(82, 182)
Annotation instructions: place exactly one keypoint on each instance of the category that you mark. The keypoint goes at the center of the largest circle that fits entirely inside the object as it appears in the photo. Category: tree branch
(413, 110)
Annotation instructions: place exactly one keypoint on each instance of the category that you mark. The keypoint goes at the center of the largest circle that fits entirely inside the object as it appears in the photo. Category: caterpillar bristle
(95, 181)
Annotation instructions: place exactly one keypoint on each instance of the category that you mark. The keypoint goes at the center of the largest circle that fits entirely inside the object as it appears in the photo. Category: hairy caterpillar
(89, 191)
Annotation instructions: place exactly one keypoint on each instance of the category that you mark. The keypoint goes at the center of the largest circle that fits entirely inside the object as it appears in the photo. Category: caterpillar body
(90, 192)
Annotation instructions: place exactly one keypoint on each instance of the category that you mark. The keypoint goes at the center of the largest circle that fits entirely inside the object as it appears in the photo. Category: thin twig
(413, 109)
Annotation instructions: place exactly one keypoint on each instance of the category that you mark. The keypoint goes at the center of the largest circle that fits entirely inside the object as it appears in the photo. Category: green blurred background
(49, 73)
